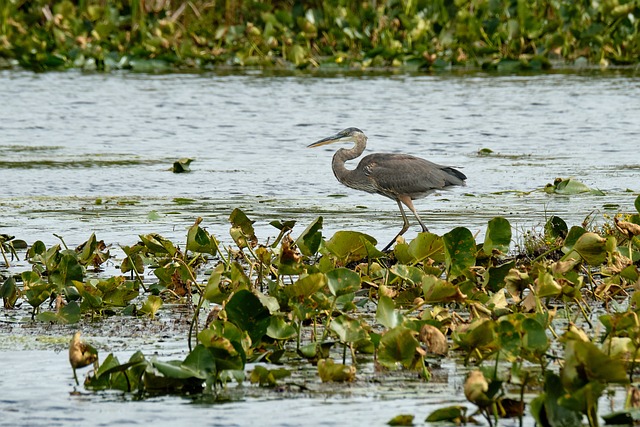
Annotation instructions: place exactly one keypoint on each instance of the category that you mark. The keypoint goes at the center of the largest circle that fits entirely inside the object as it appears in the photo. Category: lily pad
(460, 251)
(182, 165)
(498, 236)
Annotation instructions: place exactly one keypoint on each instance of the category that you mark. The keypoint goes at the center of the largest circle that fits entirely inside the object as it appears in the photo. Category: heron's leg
(407, 201)
(405, 226)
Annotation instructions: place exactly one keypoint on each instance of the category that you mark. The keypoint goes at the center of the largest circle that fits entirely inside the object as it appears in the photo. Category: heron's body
(400, 177)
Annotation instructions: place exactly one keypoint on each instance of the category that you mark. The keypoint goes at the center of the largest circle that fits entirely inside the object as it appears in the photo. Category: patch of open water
(83, 153)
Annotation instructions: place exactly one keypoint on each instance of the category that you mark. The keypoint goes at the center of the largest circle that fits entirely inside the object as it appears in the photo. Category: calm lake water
(83, 153)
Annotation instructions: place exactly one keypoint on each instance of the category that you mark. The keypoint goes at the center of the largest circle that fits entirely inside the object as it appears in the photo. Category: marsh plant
(525, 326)
(162, 35)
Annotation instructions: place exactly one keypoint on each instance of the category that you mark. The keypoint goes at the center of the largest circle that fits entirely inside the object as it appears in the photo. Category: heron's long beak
(328, 140)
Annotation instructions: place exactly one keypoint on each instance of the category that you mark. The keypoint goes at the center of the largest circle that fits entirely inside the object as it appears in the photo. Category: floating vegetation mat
(544, 327)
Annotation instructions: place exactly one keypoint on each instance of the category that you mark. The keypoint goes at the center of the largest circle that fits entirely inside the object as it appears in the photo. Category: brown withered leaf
(629, 229)
(435, 340)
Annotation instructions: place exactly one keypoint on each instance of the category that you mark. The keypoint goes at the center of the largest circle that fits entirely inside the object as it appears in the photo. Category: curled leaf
(336, 372)
(434, 339)
(475, 389)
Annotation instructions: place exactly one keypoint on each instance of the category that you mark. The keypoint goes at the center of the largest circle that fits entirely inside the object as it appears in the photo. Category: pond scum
(523, 319)
(162, 35)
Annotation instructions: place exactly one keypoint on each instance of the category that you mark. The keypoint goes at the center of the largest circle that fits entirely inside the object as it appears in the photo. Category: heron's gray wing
(402, 174)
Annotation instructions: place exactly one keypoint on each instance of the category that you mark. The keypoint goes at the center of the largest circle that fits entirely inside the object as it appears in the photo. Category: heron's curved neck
(344, 154)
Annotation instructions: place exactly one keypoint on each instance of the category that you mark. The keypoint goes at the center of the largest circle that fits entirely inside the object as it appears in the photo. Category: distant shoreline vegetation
(165, 35)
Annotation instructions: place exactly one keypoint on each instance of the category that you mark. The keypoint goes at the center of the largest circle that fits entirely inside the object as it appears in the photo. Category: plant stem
(6, 261)
(329, 317)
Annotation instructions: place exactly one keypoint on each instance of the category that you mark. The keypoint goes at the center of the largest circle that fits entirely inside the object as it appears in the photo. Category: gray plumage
(400, 177)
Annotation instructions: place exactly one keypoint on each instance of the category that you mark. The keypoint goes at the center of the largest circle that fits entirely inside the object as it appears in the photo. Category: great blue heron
(400, 177)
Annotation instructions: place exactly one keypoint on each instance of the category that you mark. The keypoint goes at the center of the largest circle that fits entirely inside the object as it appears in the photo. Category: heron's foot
(388, 247)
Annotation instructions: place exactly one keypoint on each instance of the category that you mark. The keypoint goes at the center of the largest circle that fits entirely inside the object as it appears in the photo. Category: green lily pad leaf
(592, 248)
(342, 281)
(585, 363)
(547, 411)
(91, 302)
(279, 329)
(401, 420)
(182, 165)
(119, 297)
(172, 369)
(68, 314)
(427, 246)
(213, 292)
(88, 252)
(482, 335)
(535, 337)
(245, 310)
(453, 414)
(200, 362)
(555, 228)
(133, 261)
(68, 270)
(156, 244)
(572, 237)
(242, 230)
(435, 290)
(226, 343)
(372, 251)
(306, 286)
(494, 277)
(570, 186)
(156, 384)
(283, 225)
(584, 398)
(397, 347)
(410, 274)
(9, 292)
(198, 240)
(183, 201)
(547, 286)
(460, 251)
(386, 314)
(309, 241)
(498, 236)
(330, 371)
(111, 366)
(151, 306)
(36, 291)
(100, 381)
(348, 246)
(315, 350)
(267, 377)
(36, 251)
(349, 330)
(637, 204)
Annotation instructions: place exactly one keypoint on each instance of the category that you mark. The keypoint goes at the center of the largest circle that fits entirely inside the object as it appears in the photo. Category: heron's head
(346, 135)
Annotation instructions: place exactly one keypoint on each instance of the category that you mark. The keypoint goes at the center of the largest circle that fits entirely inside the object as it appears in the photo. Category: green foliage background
(417, 34)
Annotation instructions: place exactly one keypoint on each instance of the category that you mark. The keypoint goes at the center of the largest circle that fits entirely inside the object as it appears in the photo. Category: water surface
(69, 139)
(83, 153)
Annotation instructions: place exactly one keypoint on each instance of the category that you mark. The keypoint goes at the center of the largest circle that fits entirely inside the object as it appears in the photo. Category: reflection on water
(83, 153)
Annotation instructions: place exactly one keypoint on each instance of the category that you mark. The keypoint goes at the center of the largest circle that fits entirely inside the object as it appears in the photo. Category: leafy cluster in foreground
(525, 323)
(420, 34)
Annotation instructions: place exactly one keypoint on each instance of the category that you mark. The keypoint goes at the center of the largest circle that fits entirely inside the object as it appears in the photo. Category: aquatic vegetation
(570, 186)
(81, 354)
(525, 325)
(161, 36)
(182, 165)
